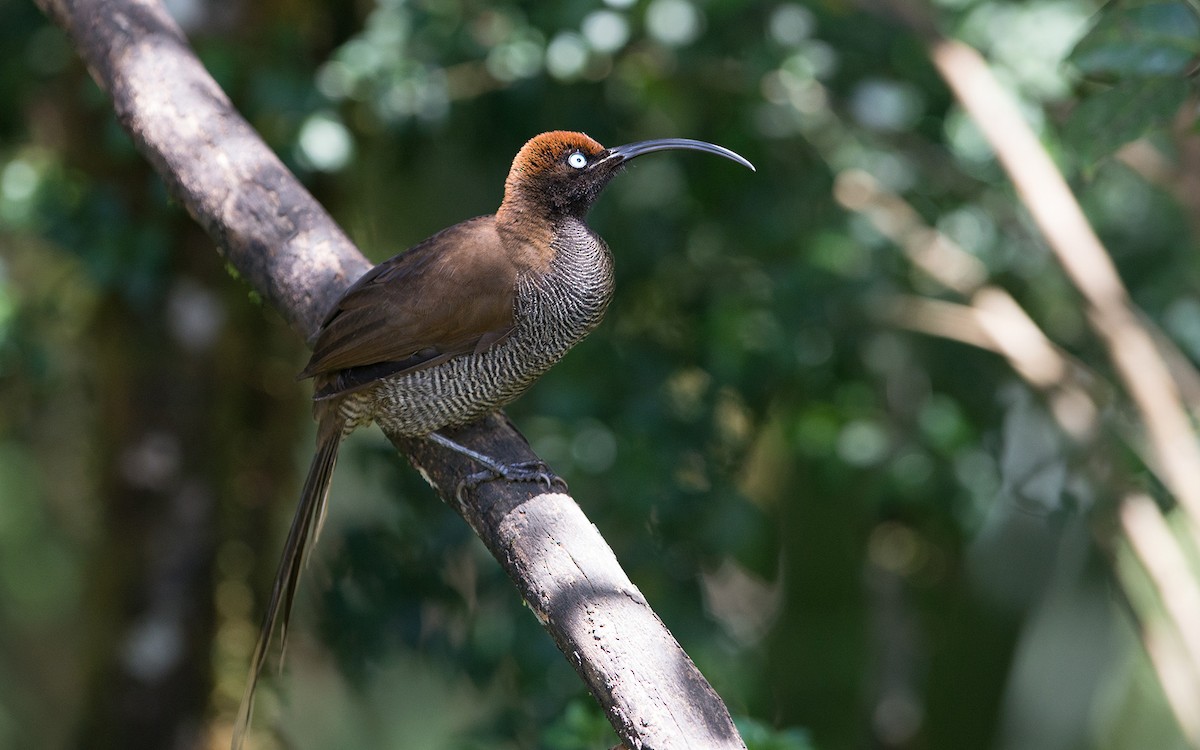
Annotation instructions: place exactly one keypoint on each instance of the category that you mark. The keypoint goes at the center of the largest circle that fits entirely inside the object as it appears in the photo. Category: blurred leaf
(760, 736)
(1124, 113)
(1151, 39)
(581, 726)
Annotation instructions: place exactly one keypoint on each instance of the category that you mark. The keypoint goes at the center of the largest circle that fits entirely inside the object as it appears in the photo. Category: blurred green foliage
(863, 536)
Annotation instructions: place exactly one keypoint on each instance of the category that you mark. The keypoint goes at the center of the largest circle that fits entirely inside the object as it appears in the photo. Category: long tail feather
(306, 526)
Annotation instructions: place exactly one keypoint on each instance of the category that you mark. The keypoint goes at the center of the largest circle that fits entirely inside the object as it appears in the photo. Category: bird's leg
(526, 471)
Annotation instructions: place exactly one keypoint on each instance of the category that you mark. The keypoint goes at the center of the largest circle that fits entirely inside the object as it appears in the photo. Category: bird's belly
(552, 315)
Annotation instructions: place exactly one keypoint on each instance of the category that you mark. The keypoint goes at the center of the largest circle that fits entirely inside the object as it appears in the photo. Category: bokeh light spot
(566, 55)
(674, 22)
(791, 24)
(325, 143)
(605, 30)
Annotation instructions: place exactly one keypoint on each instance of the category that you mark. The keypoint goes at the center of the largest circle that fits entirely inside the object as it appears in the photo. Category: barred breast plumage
(552, 311)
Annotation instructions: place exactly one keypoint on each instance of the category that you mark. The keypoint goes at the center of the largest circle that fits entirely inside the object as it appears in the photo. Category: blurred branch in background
(1053, 207)
(1149, 367)
(1170, 620)
(993, 320)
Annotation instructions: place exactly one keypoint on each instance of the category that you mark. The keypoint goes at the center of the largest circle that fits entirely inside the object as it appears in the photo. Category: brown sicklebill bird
(458, 326)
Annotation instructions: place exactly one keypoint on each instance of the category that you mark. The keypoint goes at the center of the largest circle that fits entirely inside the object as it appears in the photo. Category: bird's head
(561, 173)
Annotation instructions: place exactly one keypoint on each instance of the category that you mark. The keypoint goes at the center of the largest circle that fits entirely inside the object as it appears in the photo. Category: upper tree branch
(288, 249)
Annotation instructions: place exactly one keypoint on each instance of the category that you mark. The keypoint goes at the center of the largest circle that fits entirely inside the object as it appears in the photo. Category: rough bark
(287, 248)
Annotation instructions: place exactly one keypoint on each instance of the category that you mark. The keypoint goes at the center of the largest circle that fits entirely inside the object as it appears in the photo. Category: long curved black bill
(631, 150)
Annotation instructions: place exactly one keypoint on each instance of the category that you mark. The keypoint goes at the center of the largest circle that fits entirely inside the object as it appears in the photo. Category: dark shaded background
(863, 536)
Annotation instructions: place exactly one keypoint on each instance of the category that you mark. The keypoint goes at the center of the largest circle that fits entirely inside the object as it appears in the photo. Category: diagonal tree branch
(992, 319)
(1170, 627)
(1111, 312)
(1137, 359)
(1142, 364)
(288, 249)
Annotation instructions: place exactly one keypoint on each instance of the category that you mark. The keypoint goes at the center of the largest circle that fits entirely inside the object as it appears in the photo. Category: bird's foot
(526, 471)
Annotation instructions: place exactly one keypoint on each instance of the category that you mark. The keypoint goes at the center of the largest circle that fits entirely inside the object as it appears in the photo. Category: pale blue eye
(577, 160)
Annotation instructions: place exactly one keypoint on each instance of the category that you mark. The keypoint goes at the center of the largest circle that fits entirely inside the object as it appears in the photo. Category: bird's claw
(526, 471)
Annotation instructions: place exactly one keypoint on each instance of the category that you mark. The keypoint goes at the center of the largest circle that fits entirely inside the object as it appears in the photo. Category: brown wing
(449, 295)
